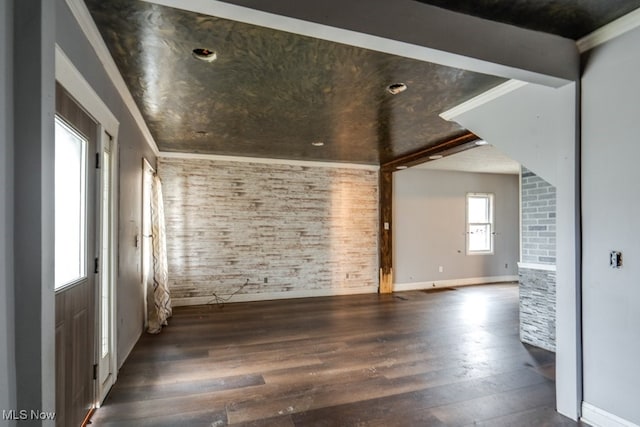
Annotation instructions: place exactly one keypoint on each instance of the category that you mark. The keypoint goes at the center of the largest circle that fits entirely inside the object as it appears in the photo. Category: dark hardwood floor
(442, 358)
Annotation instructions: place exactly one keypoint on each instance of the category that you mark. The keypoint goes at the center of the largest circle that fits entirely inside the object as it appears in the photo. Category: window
(479, 223)
(70, 205)
(105, 253)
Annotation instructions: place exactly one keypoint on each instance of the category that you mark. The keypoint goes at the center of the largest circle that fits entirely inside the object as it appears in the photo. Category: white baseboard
(435, 284)
(597, 417)
(266, 296)
(311, 293)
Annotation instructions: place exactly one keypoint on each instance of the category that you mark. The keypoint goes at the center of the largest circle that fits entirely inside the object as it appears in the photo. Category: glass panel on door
(70, 205)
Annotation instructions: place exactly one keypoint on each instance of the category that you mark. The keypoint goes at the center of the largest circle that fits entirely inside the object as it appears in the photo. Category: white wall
(536, 126)
(132, 147)
(528, 125)
(28, 145)
(429, 222)
(33, 225)
(7, 324)
(611, 213)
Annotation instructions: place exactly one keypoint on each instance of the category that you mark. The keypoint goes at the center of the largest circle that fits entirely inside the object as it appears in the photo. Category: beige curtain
(160, 304)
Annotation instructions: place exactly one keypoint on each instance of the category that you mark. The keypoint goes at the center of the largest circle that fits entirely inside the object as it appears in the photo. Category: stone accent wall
(538, 278)
(289, 230)
(538, 308)
(538, 219)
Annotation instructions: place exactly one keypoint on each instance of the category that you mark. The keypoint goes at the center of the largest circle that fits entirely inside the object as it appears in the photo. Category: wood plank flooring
(442, 358)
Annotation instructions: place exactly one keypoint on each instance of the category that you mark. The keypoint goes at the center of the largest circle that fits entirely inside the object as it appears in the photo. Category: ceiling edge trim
(88, 26)
(483, 98)
(262, 160)
(610, 31)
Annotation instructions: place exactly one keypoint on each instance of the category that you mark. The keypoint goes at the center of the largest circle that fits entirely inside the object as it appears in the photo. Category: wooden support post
(386, 241)
(460, 143)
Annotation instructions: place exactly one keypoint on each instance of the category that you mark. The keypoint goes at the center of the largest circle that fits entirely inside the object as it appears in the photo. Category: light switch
(615, 259)
(386, 225)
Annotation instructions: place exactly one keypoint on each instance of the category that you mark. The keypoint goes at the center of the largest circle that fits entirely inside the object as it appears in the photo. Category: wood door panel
(82, 362)
(75, 305)
(74, 353)
(60, 369)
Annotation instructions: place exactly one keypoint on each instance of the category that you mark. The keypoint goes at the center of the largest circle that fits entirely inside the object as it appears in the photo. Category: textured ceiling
(567, 18)
(272, 93)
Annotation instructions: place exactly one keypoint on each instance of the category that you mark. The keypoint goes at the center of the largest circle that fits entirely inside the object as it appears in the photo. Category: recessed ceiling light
(481, 142)
(396, 88)
(206, 55)
(317, 143)
(401, 167)
(436, 157)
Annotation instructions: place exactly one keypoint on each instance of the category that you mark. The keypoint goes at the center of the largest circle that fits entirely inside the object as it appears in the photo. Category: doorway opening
(99, 219)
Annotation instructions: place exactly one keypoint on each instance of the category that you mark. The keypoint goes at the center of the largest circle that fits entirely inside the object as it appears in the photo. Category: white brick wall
(538, 219)
(307, 230)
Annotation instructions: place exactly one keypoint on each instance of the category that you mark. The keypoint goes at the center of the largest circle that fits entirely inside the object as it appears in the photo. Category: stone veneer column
(537, 272)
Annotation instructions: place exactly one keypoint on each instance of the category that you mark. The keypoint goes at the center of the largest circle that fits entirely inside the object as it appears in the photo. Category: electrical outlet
(440, 269)
(615, 259)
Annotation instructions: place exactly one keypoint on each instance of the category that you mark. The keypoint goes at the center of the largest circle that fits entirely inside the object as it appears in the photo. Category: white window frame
(82, 206)
(491, 223)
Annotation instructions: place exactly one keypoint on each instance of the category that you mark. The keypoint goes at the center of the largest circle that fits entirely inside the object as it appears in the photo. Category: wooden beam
(386, 241)
(448, 147)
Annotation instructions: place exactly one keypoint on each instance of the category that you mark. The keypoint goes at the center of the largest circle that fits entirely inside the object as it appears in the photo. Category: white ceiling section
(483, 159)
